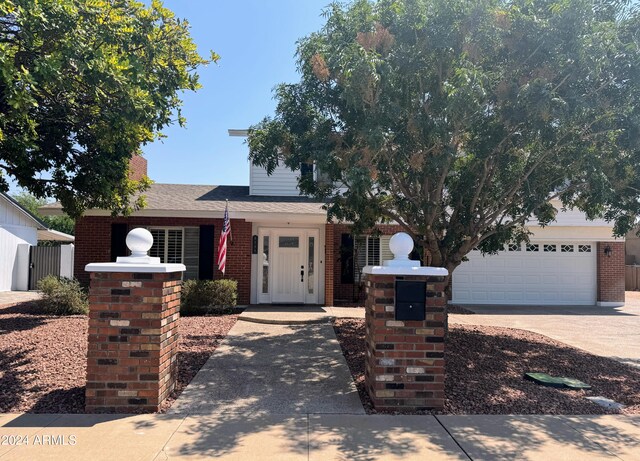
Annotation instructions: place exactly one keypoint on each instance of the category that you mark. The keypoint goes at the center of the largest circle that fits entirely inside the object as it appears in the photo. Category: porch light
(608, 251)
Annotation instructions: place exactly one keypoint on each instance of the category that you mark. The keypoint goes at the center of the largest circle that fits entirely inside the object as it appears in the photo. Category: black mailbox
(410, 300)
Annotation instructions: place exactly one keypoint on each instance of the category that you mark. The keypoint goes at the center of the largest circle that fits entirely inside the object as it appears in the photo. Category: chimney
(137, 167)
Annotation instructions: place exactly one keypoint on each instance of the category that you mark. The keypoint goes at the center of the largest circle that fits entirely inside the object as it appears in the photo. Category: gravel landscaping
(485, 367)
(43, 358)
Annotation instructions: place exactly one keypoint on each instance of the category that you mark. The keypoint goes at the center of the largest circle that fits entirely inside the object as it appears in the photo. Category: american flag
(222, 246)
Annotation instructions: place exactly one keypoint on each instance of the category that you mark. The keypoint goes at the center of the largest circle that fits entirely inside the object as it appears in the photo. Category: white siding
(15, 230)
(571, 218)
(10, 216)
(11, 266)
(282, 182)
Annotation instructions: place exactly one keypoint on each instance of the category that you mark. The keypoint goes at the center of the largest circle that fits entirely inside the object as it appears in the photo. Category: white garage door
(535, 273)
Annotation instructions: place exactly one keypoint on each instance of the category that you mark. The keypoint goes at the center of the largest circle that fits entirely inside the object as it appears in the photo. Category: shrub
(62, 296)
(208, 297)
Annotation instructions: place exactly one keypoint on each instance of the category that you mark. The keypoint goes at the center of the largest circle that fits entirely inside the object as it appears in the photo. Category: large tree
(461, 120)
(83, 85)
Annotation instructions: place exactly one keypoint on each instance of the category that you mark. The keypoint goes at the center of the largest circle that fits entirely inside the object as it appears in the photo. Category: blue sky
(256, 41)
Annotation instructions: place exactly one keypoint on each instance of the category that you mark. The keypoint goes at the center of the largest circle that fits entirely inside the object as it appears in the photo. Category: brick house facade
(284, 251)
(94, 243)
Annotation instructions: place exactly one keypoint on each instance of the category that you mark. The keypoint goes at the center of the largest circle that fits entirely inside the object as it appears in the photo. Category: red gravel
(43, 358)
(485, 367)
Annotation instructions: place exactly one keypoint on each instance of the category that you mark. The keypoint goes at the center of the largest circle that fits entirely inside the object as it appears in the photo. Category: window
(549, 248)
(167, 245)
(533, 247)
(367, 253)
(288, 242)
(265, 264)
(311, 265)
(566, 248)
(306, 170)
(584, 248)
(358, 252)
(514, 247)
(178, 245)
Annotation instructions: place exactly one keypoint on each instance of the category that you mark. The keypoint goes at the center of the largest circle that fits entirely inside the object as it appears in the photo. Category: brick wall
(346, 291)
(611, 272)
(93, 244)
(137, 167)
(404, 366)
(329, 264)
(133, 341)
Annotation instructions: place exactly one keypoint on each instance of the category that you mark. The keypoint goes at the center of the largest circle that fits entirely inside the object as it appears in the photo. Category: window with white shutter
(367, 253)
(176, 245)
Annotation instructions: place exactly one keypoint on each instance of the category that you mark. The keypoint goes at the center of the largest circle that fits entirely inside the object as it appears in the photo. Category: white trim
(241, 133)
(391, 270)
(139, 268)
(610, 304)
(262, 229)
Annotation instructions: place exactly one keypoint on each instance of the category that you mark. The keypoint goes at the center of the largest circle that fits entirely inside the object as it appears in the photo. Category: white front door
(289, 262)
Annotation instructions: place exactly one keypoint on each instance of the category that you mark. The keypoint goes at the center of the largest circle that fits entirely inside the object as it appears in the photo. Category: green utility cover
(553, 381)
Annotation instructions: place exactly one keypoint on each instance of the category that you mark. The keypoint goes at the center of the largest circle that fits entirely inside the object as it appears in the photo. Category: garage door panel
(527, 277)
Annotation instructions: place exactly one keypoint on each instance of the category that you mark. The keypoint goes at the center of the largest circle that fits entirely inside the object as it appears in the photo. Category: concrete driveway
(604, 331)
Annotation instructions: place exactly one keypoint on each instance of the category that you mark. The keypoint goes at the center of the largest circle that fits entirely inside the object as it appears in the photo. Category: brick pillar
(610, 274)
(329, 261)
(133, 340)
(405, 359)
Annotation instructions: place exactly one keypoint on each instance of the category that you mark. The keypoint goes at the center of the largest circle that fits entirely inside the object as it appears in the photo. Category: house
(20, 232)
(283, 250)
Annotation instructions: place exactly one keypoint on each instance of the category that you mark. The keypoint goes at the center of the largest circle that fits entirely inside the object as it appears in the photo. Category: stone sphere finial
(401, 245)
(139, 241)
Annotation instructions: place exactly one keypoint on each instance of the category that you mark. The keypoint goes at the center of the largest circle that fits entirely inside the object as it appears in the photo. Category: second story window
(306, 169)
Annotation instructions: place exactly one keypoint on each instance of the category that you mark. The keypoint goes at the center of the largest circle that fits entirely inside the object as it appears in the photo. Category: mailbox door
(410, 300)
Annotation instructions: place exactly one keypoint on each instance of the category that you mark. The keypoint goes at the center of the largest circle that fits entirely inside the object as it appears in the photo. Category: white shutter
(174, 246)
(157, 250)
(385, 251)
(373, 251)
(360, 257)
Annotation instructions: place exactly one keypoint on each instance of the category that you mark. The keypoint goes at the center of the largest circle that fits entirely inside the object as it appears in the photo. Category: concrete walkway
(273, 369)
(298, 315)
(11, 298)
(318, 437)
(604, 331)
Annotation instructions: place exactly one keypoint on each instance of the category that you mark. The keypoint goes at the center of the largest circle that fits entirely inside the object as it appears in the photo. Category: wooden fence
(632, 278)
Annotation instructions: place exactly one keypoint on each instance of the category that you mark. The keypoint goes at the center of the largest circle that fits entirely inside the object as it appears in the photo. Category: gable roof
(44, 233)
(191, 200)
(31, 218)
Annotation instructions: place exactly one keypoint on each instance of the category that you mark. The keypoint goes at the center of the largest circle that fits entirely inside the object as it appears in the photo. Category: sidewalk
(319, 437)
(284, 392)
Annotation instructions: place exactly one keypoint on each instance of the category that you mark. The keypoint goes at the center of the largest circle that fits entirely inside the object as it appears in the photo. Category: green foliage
(460, 120)
(83, 85)
(62, 296)
(208, 297)
(32, 204)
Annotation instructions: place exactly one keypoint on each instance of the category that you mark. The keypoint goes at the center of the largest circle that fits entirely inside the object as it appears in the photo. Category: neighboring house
(632, 247)
(284, 251)
(20, 231)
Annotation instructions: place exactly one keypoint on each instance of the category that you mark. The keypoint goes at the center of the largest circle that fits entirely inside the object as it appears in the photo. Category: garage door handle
(302, 273)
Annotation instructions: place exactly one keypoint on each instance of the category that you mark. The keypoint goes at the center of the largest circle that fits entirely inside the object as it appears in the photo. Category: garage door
(535, 273)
